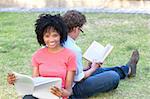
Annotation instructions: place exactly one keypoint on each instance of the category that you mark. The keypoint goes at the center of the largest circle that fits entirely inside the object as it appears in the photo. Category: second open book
(97, 52)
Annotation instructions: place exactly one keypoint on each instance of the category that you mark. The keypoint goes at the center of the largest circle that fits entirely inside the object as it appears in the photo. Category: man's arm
(92, 69)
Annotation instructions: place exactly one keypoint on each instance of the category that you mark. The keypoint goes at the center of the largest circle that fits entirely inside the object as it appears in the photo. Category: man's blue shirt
(71, 44)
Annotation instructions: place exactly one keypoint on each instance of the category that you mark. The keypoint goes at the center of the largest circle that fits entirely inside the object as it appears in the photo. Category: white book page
(42, 90)
(24, 84)
(43, 80)
(106, 52)
(94, 52)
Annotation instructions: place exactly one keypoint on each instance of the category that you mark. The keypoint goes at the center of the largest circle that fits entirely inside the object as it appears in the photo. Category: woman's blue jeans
(102, 80)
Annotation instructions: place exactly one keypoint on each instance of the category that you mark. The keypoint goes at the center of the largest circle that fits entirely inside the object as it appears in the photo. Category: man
(94, 79)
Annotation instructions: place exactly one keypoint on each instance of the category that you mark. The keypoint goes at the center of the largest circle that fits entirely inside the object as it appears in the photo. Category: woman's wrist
(67, 92)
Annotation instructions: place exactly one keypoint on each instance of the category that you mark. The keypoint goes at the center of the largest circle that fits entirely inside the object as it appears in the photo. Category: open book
(97, 52)
(38, 87)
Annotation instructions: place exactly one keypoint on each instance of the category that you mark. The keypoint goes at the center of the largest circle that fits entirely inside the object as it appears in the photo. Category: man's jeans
(102, 80)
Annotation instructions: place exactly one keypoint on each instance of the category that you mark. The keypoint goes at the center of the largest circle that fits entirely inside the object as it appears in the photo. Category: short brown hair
(73, 19)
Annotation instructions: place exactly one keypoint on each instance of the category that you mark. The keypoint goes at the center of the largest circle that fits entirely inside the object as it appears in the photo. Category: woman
(53, 60)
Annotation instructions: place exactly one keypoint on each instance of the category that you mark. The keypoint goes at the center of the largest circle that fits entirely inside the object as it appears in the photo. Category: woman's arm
(67, 91)
(11, 78)
(35, 71)
(69, 82)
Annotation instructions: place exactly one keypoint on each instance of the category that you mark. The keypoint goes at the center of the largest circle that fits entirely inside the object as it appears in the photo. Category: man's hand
(95, 65)
(99, 64)
(90, 63)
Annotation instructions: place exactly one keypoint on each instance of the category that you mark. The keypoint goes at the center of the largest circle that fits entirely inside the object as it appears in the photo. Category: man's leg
(121, 70)
(105, 79)
(98, 83)
(126, 70)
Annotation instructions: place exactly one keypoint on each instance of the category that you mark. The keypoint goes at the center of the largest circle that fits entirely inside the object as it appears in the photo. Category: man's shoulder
(69, 44)
(72, 45)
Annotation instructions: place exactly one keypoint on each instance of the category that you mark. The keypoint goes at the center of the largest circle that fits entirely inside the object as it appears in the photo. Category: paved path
(107, 10)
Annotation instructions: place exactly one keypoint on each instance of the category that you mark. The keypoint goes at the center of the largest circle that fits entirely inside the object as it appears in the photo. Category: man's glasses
(81, 30)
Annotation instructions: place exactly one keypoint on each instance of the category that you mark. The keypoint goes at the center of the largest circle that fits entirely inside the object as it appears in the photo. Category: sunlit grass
(125, 32)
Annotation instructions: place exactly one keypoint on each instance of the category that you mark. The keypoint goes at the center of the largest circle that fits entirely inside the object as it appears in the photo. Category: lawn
(125, 32)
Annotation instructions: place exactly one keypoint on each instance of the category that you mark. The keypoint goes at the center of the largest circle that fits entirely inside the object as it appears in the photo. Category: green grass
(125, 32)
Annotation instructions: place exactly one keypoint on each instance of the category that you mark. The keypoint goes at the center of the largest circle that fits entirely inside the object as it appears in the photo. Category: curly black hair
(74, 18)
(46, 21)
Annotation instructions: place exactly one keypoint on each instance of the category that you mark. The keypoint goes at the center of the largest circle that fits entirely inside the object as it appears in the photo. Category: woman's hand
(60, 92)
(11, 78)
